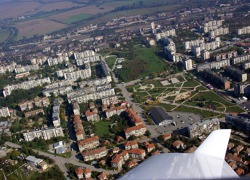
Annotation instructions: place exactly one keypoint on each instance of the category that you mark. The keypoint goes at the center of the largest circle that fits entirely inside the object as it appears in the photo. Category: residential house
(103, 176)
(92, 115)
(37, 162)
(238, 149)
(83, 173)
(131, 145)
(178, 144)
(166, 136)
(119, 159)
(150, 147)
(137, 154)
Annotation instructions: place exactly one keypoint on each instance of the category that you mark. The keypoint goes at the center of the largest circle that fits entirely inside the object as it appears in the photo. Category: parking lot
(181, 120)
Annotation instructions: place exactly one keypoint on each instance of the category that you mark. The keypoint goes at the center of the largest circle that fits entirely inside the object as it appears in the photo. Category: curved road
(60, 161)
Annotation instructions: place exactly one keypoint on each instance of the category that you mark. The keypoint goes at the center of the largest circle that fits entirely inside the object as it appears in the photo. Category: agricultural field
(76, 18)
(4, 34)
(38, 26)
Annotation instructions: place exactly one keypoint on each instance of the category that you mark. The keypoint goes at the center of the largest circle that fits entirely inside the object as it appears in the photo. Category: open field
(102, 127)
(133, 12)
(145, 61)
(76, 18)
(4, 34)
(111, 61)
(14, 9)
(38, 26)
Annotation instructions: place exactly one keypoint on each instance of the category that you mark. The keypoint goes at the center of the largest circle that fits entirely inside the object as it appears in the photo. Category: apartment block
(84, 97)
(95, 154)
(39, 102)
(56, 113)
(133, 117)
(236, 74)
(241, 122)
(165, 34)
(216, 79)
(244, 30)
(58, 60)
(79, 130)
(75, 75)
(240, 59)
(46, 133)
(88, 143)
(25, 85)
(213, 65)
(205, 127)
(135, 130)
(33, 113)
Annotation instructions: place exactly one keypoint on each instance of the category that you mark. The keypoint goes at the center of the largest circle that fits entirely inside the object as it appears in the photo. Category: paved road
(138, 110)
(60, 161)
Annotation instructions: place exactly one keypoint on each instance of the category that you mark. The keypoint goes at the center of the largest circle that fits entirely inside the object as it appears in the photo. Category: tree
(148, 133)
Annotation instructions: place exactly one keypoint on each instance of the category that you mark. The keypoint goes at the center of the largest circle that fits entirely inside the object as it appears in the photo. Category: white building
(188, 64)
(244, 30)
(25, 85)
(4, 112)
(45, 134)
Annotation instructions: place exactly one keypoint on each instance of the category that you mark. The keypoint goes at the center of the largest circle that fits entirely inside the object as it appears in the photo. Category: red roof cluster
(88, 140)
(134, 128)
(134, 117)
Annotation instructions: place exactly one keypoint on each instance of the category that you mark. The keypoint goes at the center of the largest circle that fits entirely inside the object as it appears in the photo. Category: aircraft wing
(207, 162)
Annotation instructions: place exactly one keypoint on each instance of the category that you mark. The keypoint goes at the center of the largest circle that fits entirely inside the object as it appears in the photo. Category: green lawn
(211, 96)
(111, 61)
(102, 127)
(4, 34)
(75, 18)
(145, 61)
(202, 113)
(190, 84)
(167, 107)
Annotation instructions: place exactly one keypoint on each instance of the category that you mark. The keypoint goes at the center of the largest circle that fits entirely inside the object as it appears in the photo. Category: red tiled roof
(136, 151)
(166, 136)
(239, 171)
(116, 158)
(94, 151)
(150, 146)
(86, 171)
(134, 128)
(79, 171)
(155, 153)
(88, 140)
(89, 113)
(130, 143)
(177, 143)
(103, 175)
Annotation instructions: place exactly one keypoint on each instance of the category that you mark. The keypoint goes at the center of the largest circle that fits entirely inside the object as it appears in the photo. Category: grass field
(202, 113)
(76, 18)
(4, 34)
(145, 61)
(111, 61)
(102, 127)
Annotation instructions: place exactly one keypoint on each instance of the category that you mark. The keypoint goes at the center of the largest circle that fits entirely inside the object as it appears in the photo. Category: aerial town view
(129, 89)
